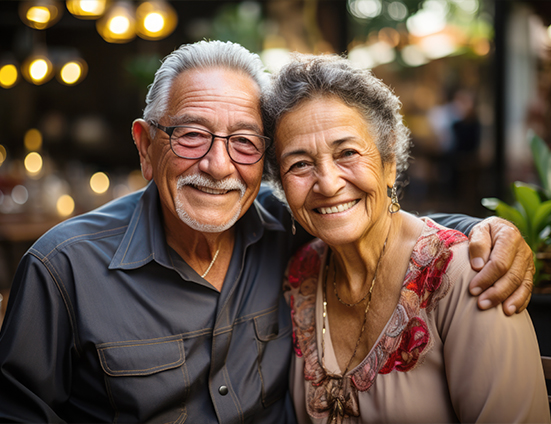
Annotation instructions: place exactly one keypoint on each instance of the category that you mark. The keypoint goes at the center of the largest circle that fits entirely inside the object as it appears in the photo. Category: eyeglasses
(194, 143)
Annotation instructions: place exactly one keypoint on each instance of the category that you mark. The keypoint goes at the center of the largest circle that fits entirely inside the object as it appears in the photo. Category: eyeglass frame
(169, 130)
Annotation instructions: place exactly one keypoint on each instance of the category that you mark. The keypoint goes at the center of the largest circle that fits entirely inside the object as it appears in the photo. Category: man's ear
(143, 142)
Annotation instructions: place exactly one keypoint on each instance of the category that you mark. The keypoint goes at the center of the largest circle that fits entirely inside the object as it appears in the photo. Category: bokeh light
(86, 9)
(429, 20)
(40, 14)
(73, 72)
(37, 69)
(99, 182)
(65, 205)
(33, 163)
(118, 24)
(33, 139)
(3, 154)
(155, 20)
(413, 56)
(8, 75)
(20, 194)
(397, 11)
(365, 9)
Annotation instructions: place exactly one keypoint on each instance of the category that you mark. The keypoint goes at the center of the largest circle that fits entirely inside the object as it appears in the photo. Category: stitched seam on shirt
(254, 315)
(110, 397)
(182, 336)
(64, 295)
(243, 319)
(73, 239)
(151, 255)
(158, 367)
(234, 398)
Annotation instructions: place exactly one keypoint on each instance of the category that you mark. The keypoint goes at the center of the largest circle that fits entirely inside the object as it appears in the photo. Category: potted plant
(531, 213)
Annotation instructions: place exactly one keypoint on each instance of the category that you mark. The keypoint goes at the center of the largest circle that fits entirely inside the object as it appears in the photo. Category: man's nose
(329, 179)
(217, 162)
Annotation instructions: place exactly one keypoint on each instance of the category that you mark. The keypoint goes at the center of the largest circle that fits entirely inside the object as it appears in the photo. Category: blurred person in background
(166, 305)
(385, 329)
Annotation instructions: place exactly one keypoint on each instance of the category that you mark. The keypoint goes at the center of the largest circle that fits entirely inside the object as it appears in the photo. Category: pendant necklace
(337, 403)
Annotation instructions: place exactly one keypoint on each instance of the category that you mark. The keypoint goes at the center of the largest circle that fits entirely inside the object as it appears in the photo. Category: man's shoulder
(108, 220)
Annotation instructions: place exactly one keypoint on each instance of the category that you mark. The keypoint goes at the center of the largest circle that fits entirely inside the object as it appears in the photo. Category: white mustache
(202, 181)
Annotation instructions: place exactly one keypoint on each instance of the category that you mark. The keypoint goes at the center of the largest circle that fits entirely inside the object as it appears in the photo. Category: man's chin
(207, 227)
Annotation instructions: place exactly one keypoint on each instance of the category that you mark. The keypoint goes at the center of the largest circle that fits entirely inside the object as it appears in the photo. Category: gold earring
(394, 205)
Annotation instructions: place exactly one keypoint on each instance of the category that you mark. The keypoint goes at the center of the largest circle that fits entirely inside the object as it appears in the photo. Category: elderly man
(165, 305)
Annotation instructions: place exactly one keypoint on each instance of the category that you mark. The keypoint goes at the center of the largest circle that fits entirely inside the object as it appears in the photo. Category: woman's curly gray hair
(308, 77)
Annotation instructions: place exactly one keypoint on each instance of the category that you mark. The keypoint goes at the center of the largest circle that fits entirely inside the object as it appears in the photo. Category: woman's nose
(329, 180)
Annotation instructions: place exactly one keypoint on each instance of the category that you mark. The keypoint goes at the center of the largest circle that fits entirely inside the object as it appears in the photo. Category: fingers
(506, 265)
(480, 245)
(520, 298)
(513, 289)
(502, 287)
(503, 262)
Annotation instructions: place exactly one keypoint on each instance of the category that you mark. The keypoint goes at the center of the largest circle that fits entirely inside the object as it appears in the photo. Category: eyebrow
(188, 119)
(299, 152)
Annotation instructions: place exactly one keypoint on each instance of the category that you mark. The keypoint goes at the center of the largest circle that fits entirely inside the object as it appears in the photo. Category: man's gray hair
(200, 55)
(308, 77)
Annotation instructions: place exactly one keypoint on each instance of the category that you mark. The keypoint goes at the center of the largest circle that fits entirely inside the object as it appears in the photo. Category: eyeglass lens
(193, 143)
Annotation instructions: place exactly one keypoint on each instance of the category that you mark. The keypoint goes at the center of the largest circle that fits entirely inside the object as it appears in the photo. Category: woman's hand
(506, 265)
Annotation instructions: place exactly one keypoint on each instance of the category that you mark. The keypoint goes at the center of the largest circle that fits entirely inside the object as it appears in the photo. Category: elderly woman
(384, 326)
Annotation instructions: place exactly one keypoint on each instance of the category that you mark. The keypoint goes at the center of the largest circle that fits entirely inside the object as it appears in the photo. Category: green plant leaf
(490, 203)
(541, 217)
(528, 197)
(542, 159)
(507, 212)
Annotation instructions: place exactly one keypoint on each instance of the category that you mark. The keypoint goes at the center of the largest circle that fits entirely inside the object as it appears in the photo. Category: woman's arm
(492, 362)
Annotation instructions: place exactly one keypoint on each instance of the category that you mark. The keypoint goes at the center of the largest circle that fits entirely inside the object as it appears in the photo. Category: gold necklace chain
(211, 263)
(337, 407)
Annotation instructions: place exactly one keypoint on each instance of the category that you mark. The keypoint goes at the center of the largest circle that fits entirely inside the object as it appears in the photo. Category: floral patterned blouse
(438, 359)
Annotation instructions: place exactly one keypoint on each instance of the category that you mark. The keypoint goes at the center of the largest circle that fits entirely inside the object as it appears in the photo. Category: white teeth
(211, 190)
(340, 208)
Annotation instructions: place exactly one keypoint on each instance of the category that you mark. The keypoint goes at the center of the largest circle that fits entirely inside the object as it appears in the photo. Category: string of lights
(116, 22)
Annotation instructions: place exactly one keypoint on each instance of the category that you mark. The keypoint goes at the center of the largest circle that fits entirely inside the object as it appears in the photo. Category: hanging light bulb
(40, 14)
(118, 24)
(155, 20)
(72, 72)
(37, 69)
(87, 9)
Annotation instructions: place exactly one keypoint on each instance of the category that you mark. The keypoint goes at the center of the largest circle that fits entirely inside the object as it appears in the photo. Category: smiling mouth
(210, 190)
(335, 209)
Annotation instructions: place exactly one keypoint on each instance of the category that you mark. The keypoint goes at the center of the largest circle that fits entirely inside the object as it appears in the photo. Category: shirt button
(223, 390)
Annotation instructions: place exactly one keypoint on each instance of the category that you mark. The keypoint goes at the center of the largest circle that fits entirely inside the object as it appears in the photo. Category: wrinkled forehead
(216, 92)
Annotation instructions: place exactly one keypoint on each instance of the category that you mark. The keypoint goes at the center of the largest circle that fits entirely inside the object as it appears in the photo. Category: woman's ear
(389, 170)
(143, 142)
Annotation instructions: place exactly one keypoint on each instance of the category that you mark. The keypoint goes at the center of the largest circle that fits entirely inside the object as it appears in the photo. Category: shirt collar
(144, 239)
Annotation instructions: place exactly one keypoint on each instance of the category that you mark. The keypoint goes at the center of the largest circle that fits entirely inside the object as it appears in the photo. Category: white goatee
(202, 182)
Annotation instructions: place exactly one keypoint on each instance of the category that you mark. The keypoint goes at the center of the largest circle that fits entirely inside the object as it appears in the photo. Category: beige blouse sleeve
(492, 361)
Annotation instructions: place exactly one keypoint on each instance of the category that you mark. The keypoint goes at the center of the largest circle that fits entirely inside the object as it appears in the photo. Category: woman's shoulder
(438, 255)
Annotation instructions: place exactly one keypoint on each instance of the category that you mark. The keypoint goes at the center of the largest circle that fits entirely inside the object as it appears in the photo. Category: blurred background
(473, 77)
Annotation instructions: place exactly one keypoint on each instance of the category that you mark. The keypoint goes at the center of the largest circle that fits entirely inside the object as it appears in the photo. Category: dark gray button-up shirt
(106, 323)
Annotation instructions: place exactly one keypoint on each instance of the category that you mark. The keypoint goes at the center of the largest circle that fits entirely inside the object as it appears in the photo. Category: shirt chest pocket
(146, 379)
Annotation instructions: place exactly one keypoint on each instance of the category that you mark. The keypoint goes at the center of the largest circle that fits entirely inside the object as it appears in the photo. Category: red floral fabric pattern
(407, 338)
